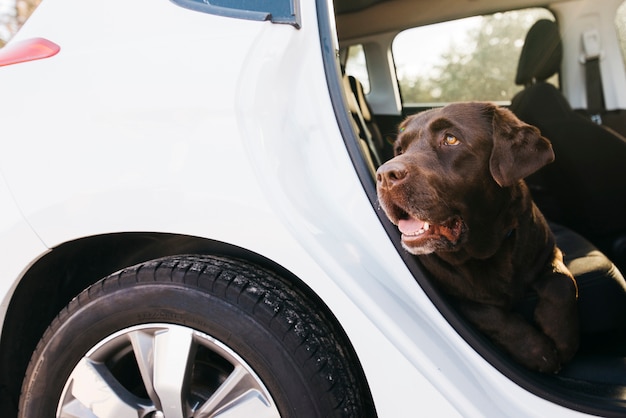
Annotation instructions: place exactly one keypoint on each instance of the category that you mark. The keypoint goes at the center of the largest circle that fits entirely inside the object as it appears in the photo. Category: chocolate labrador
(455, 190)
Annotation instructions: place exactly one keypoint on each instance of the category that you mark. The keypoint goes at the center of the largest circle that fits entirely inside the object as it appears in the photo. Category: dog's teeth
(425, 227)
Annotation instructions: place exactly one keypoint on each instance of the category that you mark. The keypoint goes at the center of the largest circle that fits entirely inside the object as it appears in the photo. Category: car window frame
(242, 9)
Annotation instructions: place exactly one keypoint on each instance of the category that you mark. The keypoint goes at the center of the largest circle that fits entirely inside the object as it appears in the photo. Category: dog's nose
(391, 174)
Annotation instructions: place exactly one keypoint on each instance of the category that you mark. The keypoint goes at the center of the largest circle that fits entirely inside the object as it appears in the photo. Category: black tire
(235, 314)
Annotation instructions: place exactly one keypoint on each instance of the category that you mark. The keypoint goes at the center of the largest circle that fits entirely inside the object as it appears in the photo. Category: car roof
(395, 15)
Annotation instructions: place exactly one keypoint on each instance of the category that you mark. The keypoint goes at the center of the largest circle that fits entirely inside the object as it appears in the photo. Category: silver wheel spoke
(176, 376)
(143, 348)
(94, 392)
(173, 356)
(239, 396)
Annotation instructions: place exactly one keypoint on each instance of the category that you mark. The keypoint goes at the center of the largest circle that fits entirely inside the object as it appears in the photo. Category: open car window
(620, 25)
(356, 65)
(466, 59)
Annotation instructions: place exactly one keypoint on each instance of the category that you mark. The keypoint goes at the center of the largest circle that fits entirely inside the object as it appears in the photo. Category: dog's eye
(450, 139)
(397, 151)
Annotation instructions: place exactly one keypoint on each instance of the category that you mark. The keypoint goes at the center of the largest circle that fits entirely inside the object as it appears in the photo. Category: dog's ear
(518, 148)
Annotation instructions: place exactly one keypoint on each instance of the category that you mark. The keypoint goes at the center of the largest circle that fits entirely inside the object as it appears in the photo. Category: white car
(189, 224)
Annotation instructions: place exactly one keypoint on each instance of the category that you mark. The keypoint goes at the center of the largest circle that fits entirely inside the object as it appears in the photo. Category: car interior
(582, 194)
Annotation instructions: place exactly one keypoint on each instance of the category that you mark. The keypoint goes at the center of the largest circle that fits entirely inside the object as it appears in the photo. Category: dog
(456, 192)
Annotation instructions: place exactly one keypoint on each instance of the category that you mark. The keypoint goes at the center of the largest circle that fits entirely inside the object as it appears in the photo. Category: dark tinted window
(278, 11)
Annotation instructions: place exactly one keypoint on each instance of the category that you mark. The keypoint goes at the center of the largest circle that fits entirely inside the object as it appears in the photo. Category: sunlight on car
(312, 208)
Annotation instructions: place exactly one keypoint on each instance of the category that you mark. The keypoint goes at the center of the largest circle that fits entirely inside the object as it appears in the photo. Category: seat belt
(593, 78)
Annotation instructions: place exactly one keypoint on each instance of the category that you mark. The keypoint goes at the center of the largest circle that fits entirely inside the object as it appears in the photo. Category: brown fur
(460, 169)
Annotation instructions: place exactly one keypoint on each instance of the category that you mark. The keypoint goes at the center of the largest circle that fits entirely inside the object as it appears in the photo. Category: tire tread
(313, 340)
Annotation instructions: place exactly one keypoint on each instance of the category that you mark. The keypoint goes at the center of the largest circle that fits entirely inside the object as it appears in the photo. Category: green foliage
(480, 67)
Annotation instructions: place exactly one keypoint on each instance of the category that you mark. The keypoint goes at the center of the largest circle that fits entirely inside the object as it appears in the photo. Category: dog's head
(455, 170)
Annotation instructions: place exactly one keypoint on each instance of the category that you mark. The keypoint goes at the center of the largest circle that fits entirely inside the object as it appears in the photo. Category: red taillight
(28, 50)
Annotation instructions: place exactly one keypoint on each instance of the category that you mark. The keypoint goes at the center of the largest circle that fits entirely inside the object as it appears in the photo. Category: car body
(165, 128)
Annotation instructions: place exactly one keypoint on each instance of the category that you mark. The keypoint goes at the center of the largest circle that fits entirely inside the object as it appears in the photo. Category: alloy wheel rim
(163, 371)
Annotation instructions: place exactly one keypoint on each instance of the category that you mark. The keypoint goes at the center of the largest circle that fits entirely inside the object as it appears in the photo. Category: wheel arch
(61, 274)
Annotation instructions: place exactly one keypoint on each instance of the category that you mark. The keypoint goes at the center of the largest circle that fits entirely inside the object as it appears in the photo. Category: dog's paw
(549, 365)
(542, 358)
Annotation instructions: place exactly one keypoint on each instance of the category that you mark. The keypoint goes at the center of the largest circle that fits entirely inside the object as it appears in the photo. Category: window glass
(466, 59)
(277, 7)
(277, 11)
(357, 66)
(13, 14)
(620, 23)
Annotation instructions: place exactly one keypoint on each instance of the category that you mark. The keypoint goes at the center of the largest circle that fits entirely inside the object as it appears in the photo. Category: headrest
(541, 54)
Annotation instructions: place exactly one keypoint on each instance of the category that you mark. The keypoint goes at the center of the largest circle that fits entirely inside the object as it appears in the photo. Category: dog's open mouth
(423, 234)
(413, 227)
(421, 237)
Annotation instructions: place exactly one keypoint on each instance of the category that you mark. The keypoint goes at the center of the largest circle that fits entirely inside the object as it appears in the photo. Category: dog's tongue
(410, 226)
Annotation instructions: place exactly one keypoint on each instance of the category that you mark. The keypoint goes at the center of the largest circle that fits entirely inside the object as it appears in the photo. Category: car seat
(585, 187)
(602, 311)
(585, 190)
(365, 140)
(364, 122)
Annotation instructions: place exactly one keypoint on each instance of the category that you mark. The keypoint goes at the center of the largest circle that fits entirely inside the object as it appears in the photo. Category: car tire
(194, 336)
